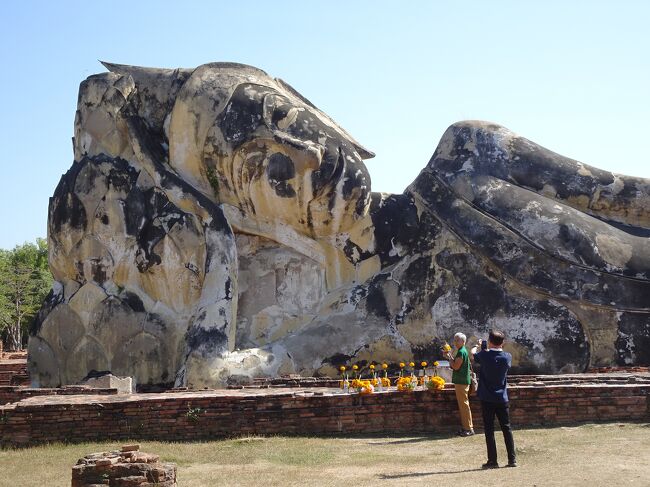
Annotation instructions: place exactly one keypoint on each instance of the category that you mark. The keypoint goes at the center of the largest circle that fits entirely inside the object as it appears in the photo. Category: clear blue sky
(572, 76)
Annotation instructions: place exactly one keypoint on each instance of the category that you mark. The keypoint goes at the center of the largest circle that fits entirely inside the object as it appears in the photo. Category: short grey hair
(461, 336)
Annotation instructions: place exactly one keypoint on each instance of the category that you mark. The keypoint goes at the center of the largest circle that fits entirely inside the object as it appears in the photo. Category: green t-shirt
(462, 375)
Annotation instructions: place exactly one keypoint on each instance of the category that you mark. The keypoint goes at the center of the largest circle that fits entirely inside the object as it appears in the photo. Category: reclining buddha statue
(216, 226)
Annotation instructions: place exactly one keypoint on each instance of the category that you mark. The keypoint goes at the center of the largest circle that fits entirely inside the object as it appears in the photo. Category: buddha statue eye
(279, 111)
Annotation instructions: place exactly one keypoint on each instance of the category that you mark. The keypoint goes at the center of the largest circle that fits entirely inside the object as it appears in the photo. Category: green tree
(25, 280)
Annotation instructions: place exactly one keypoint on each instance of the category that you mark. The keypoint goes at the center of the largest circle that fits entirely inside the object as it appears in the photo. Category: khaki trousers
(462, 397)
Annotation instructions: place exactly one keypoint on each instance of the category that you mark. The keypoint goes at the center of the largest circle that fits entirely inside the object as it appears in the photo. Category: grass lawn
(593, 455)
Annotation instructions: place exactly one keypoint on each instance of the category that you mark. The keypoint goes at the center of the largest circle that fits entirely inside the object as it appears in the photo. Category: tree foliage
(25, 280)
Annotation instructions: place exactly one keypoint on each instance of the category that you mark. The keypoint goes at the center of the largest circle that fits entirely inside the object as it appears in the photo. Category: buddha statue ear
(363, 152)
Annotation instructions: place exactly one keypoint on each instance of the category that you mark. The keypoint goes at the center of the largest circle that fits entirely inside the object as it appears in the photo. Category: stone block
(123, 385)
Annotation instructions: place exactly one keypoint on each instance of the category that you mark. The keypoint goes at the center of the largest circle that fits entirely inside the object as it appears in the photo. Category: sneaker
(512, 464)
(487, 465)
(466, 433)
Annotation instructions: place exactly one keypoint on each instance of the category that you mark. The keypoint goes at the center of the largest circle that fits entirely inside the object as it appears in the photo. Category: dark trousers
(502, 412)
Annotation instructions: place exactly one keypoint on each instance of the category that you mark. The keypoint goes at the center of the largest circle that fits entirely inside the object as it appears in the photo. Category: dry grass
(593, 455)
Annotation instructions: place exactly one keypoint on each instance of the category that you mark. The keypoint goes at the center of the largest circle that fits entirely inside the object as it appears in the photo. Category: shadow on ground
(426, 474)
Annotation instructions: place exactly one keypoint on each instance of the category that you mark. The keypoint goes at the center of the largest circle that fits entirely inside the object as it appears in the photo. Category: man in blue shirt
(493, 393)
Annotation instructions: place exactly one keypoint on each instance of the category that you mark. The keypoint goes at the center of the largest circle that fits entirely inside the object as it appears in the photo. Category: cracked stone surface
(215, 225)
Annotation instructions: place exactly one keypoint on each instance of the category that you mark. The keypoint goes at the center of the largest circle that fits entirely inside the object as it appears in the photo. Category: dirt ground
(586, 455)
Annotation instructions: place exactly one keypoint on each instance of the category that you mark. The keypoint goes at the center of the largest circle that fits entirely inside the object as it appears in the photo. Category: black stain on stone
(325, 173)
(133, 300)
(135, 212)
(337, 360)
(228, 288)
(428, 352)
(243, 113)
(206, 340)
(582, 244)
(420, 279)
(354, 253)
(375, 300)
(154, 321)
(480, 298)
(280, 167)
(146, 213)
(419, 274)
(98, 271)
(279, 171)
(67, 209)
(396, 226)
(633, 342)
(51, 300)
(122, 176)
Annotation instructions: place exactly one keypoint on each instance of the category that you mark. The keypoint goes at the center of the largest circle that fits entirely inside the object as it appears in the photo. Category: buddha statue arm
(550, 222)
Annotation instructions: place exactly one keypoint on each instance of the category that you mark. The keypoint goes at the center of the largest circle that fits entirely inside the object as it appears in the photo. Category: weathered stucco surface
(215, 225)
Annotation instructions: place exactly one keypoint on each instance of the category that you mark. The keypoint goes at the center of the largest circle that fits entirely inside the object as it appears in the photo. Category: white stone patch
(447, 310)
(539, 228)
(85, 142)
(549, 191)
(396, 249)
(583, 171)
(57, 288)
(527, 328)
(612, 250)
(617, 186)
(289, 120)
(339, 206)
(467, 166)
(509, 252)
(533, 207)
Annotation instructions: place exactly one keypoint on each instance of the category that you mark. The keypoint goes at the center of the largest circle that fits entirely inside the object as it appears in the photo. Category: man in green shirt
(461, 377)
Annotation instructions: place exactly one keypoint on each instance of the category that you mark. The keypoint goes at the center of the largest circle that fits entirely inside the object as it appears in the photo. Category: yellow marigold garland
(435, 384)
(406, 384)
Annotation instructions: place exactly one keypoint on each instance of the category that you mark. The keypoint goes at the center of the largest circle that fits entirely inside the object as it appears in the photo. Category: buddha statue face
(271, 153)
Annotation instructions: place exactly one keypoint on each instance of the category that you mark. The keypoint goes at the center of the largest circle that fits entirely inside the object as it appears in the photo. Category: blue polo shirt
(493, 376)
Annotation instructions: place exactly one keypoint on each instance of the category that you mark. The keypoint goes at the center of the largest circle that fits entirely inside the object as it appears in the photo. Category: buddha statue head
(253, 142)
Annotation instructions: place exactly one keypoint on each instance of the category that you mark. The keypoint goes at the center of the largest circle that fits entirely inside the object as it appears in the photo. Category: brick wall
(214, 414)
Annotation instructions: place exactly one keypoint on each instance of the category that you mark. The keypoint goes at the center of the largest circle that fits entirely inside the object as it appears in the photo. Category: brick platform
(11, 394)
(200, 415)
(13, 369)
